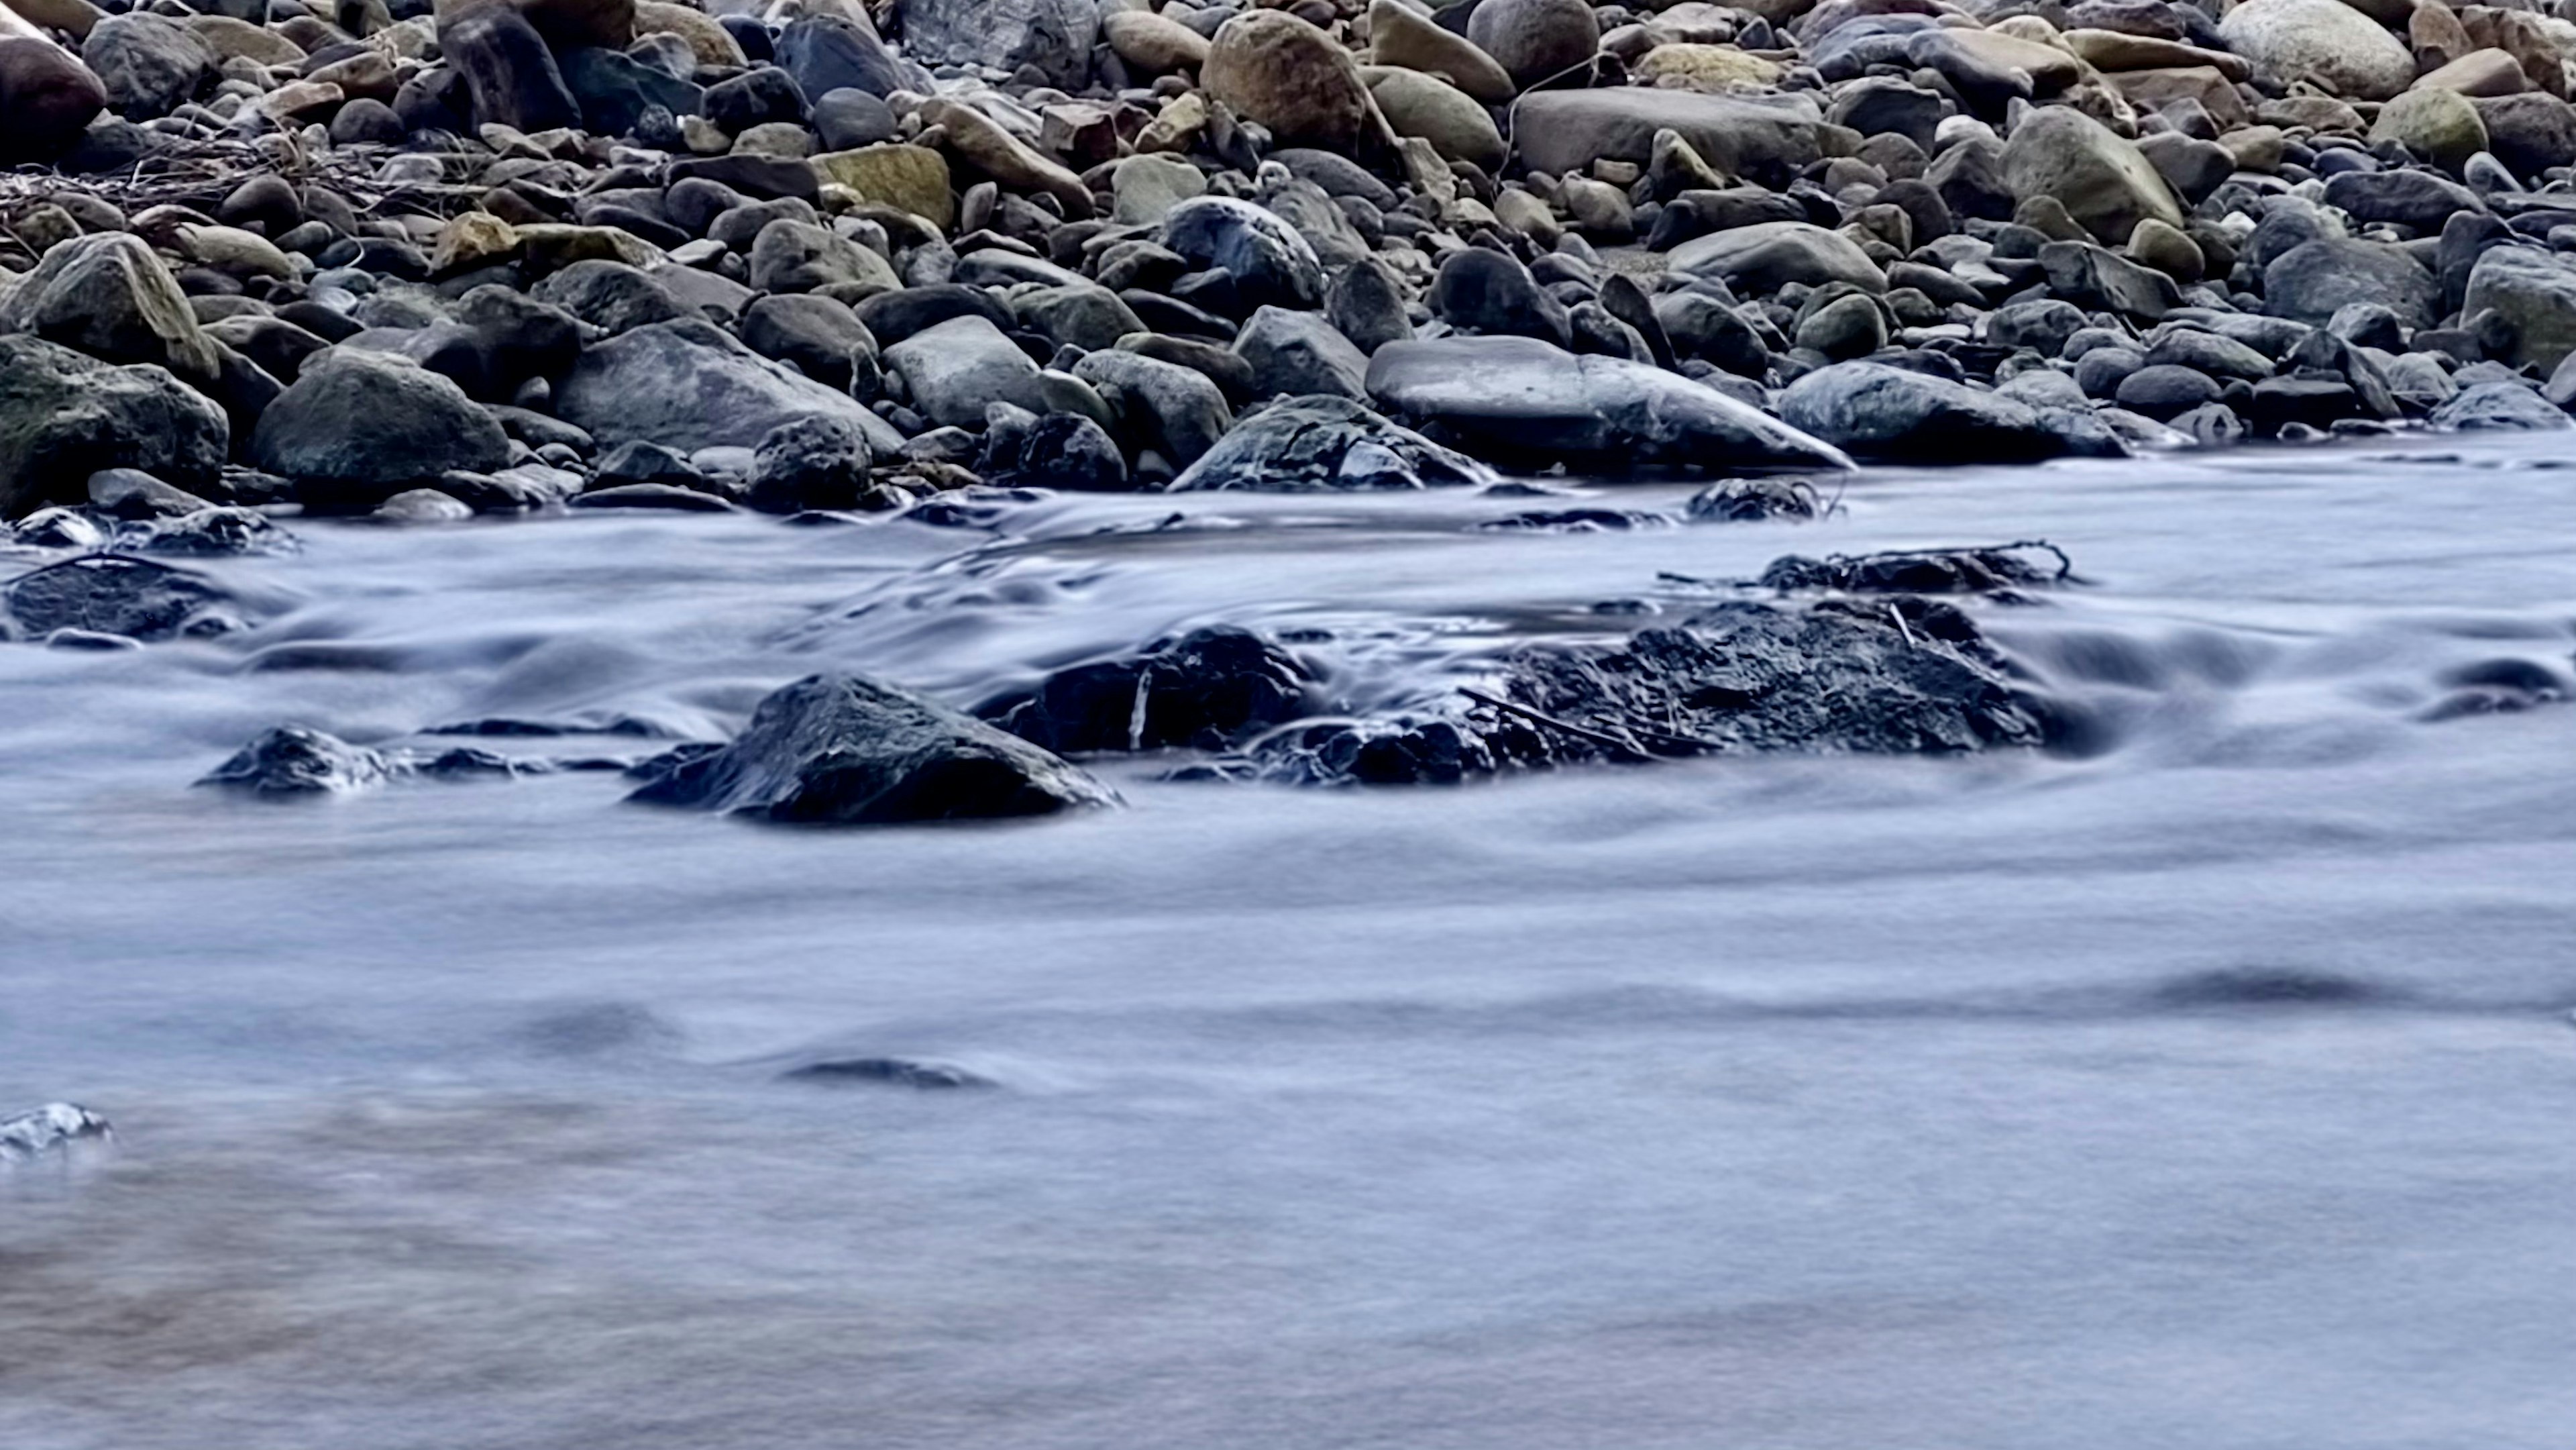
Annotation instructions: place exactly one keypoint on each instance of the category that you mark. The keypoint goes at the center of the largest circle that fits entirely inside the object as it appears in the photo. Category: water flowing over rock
(846, 750)
(1327, 444)
(55, 1132)
(294, 761)
(115, 596)
(1881, 412)
(1211, 689)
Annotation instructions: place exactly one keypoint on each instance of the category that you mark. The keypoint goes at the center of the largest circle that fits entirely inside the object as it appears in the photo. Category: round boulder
(2325, 41)
(1271, 67)
(1535, 40)
(361, 424)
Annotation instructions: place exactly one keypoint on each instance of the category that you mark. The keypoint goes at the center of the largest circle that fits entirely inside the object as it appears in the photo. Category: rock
(1518, 399)
(2321, 40)
(1848, 327)
(848, 119)
(57, 1130)
(611, 296)
(2309, 282)
(1767, 256)
(47, 99)
(1298, 354)
(111, 594)
(847, 750)
(819, 335)
(960, 367)
(1005, 158)
(1082, 315)
(815, 462)
(1176, 411)
(510, 74)
(707, 37)
(1052, 37)
(908, 178)
(1211, 689)
(1271, 67)
(136, 496)
(1151, 44)
(827, 53)
(1271, 263)
(2440, 125)
(1767, 140)
(1399, 36)
(65, 416)
(357, 425)
(149, 65)
(688, 385)
(2192, 167)
(1326, 445)
(109, 296)
(1480, 291)
(2042, 324)
(2415, 199)
(1893, 415)
(2529, 133)
(754, 98)
(616, 91)
(1697, 325)
(1060, 451)
(1146, 188)
(2096, 277)
(1366, 303)
(2169, 250)
(2106, 185)
(793, 256)
(1455, 123)
(2535, 293)
(1535, 40)
(2504, 406)
(422, 506)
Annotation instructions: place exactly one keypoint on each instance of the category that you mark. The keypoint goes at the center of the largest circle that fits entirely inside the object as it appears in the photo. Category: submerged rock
(113, 594)
(1521, 400)
(1326, 444)
(294, 761)
(1208, 690)
(55, 1130)
(1994, 570)
(891, 1071)
(847, 750)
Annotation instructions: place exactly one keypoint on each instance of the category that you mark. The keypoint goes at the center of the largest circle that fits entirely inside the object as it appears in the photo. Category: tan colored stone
(76, 16)
(549, 247)
(2112, 50)
(909, 178)
(234, 251)
(705, 37)
(2479, 73)
(1526, 214)
(2435, 31)
(2151, 90)
(1705, 67)
(2256, 148)
(980, 142)
(1271, 67)
(2435, 123)
(473, 239)
(301, 101)
(1152, 45)
(2051, 68)
(1177, 126)
(229, 38)
(1399, 36)
(369, 73)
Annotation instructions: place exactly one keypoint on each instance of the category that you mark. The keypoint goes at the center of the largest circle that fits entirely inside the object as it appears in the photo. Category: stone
(1894, 415)
(149, 65)
(814, 462)
(908, 178)
(1271, 262)
(1271, 67)
(2325, 41)
(2309, 282)
(136, 496)
(2193, 168)
(1481, 291)
(997, 153)
(2534, 291)
(2096, 277)
(2489, 72)
(611, 296)
(47, 99)
(819, 335)
(1455, 123)
(1151, 44)
(827, 53)
(2498, 406)
(2112, 50)
(1528, 402)
(1535, 40)
(108, 295)
(1052, 38)
(1298, 354)
(58, 1131)
(1211, 689)
(1327, 445)
(1176, 411)
(115, 595)
(1063, 451)
(848, 750)
(293, 760)
(1081, 315)
(1767, 140)
(793, 256)
(1848, 327)
(1145, 188)
(2438, 124)
(2169, 250)
(848, 119)
(707, 37)
(1399, 36)
(753, 98)
(2105, 183)
(688, 385)
(2418, 200)
(2531, 132)
(509, 72)
(616, 91)
(356, 425)
(65, 416)
(1766, 256)
(958, 368)
(1366, 303)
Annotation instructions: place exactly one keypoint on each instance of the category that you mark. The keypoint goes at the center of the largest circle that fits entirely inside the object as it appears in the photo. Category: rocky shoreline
(422, 262)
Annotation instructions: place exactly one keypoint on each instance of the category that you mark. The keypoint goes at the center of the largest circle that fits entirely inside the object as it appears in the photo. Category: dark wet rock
(891, 317)
(65, 415)
(2534, 293)
(114, 594)
(1882, 412)
(292, 760)
(47, 99)
(216, 533)
(2312, 281)
(1752, 500)
(1365, 303)
(827, 53)
(1060, 450)
(2041, 324)
(108, 295)
(662, 497)
(1297, 354)
(809, 463)
(2501, 406)
(891, 1071)
(2097, 277)
(53, 1132)
(1270, 261)
(1520, 399)
(849, 118)
(1998, 569)
(510, 74)
(820, 335)
(149, 64)
(1211, 689)
(689, 385)
(1178, 412)
(1699, 326)
(619, 94)
(357, 425)
(135, 496)
(846, 750)
(2417, 199)
(1482, 291)
(611, 296)
(755, 97)
(1327, 444)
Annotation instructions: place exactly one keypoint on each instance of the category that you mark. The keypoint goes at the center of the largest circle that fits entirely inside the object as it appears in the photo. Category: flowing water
(2209, 1087)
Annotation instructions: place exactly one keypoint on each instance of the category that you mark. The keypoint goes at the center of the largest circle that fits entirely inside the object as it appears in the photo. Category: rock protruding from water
(1211, 689)
(848, 750)
(293, 760)
(114, 594)
(55, 1131)
(1324, 444)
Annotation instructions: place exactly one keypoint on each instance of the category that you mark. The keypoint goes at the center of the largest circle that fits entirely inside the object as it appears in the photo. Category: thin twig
(1597, 737)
